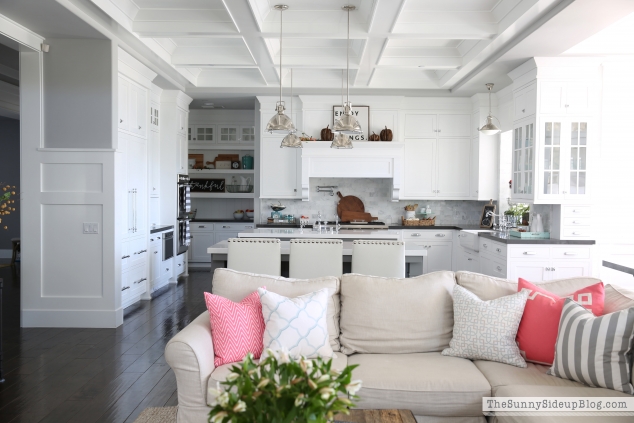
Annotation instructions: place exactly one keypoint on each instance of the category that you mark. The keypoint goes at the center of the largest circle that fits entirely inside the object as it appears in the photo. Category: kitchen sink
(469, 238)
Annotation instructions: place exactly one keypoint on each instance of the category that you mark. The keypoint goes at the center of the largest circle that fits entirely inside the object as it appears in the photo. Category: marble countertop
(505, 238)
(411, 249)
(308, 234)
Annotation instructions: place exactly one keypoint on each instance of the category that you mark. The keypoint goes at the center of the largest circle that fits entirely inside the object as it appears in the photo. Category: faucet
(318, 222)
(337, 225)
(493, 215)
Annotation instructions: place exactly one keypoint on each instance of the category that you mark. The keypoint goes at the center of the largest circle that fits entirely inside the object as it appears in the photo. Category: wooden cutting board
(349, 203)
(349, 216)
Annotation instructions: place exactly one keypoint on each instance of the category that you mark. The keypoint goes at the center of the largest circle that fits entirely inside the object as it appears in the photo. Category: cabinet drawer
(493, 268)
(573, 253)
(138, 251)
(530, 252)
(133, 282)
(576, 232)
(201, 227)
(576, 221)
(179, 264)
(492, 247)
(427, 234)
(167, 267)
(576, 211)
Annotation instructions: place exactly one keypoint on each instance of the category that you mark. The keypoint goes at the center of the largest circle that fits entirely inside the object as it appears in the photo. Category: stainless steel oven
(183, 236)
(168, 245)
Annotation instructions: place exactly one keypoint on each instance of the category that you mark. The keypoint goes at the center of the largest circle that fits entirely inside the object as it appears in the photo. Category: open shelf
(220, 195)
(194, 172)
(196, 145)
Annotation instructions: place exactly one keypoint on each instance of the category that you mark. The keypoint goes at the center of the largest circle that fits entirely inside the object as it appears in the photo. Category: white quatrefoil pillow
(296, 324)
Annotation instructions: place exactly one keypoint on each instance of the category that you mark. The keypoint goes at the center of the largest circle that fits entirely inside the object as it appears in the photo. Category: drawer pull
(248, 227)
(440, 235)
(574, 222)
(202, 226)
(416, 234)
(158, 237)
(499, 268)
(469, 259)
(151, 239)
(485, 246)
(179, 264)
(529, 253)
(125, 287)
(498, 250)
(125, 257)
(570, 254)
(576, 211)
(155, 252)
(226, 227)
(577, 233)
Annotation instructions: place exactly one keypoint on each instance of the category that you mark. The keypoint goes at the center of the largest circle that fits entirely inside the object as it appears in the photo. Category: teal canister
(247, 162)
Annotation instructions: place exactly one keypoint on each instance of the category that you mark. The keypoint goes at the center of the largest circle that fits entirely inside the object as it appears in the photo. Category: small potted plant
(516, 213)
(281, 389)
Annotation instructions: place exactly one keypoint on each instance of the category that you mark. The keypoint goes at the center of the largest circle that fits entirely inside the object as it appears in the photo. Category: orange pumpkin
(374, 137)
(386, 134)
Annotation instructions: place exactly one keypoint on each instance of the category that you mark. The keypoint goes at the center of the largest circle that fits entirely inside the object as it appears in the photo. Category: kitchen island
(309, 233)
(415, 265)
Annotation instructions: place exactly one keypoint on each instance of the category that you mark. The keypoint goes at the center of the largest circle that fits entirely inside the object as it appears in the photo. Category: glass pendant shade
(341, 141)
(347, 123)
(291, 141)
(489, 127)
(280, 123)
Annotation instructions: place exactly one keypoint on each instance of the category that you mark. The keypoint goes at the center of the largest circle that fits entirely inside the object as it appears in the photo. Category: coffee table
(377, 416)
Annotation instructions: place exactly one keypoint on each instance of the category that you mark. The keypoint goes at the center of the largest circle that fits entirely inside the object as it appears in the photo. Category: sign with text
(207, 185)
(362, 113)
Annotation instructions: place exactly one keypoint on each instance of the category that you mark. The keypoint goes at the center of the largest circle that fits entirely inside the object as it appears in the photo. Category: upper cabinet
(422, 125)
(524, 102)
(280, 170)
(132, 105)
(561, 97)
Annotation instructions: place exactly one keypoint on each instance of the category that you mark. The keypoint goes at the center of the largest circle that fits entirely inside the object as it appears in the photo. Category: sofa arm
(191, 355)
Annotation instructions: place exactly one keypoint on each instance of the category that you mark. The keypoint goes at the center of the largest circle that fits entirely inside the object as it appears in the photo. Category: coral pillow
(538, 329)
(236, 328)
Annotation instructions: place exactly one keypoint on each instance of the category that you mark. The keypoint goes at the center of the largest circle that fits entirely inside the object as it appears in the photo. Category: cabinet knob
(439, 130)
(499, 268)
(125, 287)
(167, 269)
(485, 246)
(529, 253)
(139, 127)
(179, 264)
(576, 233)
(120, 120)
(498, 250)
(155, 252)
(523, 110)
(416, 234)
(570, 254)
(469, 259)
(566, 105)
(226, 227)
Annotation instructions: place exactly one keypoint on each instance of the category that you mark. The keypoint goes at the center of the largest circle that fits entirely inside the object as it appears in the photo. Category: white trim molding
(20, 34)
(365, 160)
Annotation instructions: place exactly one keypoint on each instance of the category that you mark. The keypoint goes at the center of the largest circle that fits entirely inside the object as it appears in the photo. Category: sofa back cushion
(618, 298)
(236, 285)
(392, 316)
(489, 288)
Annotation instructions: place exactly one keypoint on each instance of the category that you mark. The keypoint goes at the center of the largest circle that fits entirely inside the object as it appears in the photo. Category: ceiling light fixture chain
(291, 140)
(489, 128)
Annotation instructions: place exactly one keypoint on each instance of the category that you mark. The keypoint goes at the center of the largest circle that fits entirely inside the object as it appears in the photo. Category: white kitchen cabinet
(439, 256)
(202, 237)
(156, 257)
(452, 126)
(137, 185)
(453, 174)
(224, 235)
(531, 270)
(123, 103)
(420, 169)
(467, 260)
(525, 102)
(202, 133)
(280, 170)
(561, 269)
(182, 153)
(484, 167)
(565, 97)
(132, 107)
(420, 125)
(247, 134)
(154, 163)
(154, 116)
(182, 121)
(228, 134)
(523, 160)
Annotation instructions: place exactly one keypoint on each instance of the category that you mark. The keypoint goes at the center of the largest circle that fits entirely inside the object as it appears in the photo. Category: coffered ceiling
(233, 46)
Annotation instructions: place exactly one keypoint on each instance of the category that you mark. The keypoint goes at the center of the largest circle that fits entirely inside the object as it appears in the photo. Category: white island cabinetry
(206, 234)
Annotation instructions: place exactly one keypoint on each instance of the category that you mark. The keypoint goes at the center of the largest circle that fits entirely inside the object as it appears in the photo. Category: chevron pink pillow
(236, 328)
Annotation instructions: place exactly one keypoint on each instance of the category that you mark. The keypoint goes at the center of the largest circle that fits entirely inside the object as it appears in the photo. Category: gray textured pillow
(486, 330)
(601, 353)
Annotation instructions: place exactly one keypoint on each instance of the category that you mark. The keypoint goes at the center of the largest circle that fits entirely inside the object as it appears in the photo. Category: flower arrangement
(281, 389)
(6, 201)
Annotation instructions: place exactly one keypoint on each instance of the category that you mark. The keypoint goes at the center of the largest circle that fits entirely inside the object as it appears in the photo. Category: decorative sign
(207, 185)
(487, 217)
(362, 113)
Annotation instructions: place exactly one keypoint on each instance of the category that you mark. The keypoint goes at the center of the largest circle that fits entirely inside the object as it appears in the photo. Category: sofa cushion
(489, 288)
(500, 374)
(617, 298)
(558, 391)
(237, 285)
(429, 384)
(390, 315)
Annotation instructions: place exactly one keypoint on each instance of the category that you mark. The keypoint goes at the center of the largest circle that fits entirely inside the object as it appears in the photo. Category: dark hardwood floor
(94, 375)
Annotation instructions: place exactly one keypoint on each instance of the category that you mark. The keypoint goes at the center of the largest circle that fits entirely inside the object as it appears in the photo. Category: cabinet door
(531, 270)
(474, 168)
(551, 176)
(123, 103)
(420, 126)
(419, 168)
(154, 163)
(577, 98)
(200, 241)
(453, 161)
(182, 152)
(228, 134)
(155, 262)
(224, 235)
(454, 126)
(278, 170)
(577, 152)
(137, 183)
(203, 133)
(247, 134)
(182, 122)
(154, 116)
(552, 97)
(141, 114)
(438, 256)
(561, 269)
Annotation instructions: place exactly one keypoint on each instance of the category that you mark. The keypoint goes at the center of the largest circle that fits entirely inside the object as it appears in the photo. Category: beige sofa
(395, 330)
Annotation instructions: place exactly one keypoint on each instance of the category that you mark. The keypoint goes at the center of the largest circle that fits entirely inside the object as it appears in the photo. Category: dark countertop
(222, 220)
(161, 228)
(621, 267)
(507, 239)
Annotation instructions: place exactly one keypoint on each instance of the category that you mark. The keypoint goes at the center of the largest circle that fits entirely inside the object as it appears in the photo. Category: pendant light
(347, 123)
(341, 140)
(291, 140)
(489, 127)
(280, 123)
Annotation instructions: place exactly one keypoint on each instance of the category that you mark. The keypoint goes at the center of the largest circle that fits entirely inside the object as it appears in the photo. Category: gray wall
(10, 174)
(78, 94)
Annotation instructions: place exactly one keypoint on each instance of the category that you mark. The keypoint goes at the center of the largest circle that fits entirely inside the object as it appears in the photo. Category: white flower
(299, 401)
(335, 372)
(263, 383)
(353, 387)
(323, 378)
(240, 407)
(223, 399)
(284, 356)
(326, 393)
(219, 416)
(232, 376)
(271, 353)
(312, 384)
(212, 395)
(305, 364)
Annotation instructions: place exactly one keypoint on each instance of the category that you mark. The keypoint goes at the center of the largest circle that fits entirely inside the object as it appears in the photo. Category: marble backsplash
(375, 194)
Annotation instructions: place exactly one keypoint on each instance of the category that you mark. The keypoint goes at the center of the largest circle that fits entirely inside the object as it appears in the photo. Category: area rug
(157, 415)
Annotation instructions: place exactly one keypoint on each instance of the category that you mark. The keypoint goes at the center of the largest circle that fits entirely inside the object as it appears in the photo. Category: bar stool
(314, 258)
(255, 255)
(15, 244)
(379, 258)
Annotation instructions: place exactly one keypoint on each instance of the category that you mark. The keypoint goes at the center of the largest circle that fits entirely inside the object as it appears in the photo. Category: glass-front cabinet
(550, 165)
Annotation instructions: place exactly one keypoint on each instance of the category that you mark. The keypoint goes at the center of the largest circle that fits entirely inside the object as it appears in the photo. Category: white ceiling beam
(195, 56)
(423, 62)
(473, 30)
(182, 29)
(20, 34)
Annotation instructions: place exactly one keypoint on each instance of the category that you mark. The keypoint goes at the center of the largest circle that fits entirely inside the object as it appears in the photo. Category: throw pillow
(593, 350)
(236, 328)
(486, 330)
(537, 333)
(296, 324)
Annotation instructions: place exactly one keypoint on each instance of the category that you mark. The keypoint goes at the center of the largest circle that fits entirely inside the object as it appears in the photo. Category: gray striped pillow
(593, 350)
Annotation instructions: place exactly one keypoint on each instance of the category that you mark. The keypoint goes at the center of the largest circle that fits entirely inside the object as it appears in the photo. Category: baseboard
(71, 318)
